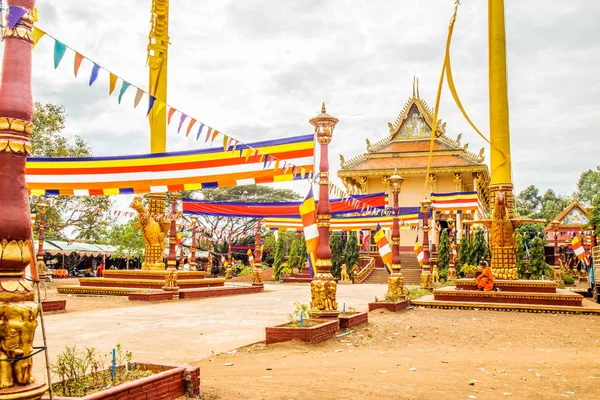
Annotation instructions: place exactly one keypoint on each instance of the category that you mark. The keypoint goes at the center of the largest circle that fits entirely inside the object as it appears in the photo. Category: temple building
(405, 149)
(572, 221)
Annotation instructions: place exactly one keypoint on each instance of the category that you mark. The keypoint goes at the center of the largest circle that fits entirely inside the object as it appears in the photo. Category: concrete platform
(519, 285)
(149, 283)
(220, 291)
(560, 298)
(98, 290)
(430, 302)
(158, 275)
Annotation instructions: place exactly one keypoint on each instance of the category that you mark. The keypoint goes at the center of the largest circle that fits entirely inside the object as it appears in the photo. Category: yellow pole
(499, 124)
(157, 61)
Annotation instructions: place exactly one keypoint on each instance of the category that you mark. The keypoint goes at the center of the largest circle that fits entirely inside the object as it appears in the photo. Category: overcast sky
(259, 69)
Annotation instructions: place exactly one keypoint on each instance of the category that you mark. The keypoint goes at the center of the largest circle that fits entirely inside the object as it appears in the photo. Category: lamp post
(395, 280)
(452, 266)
(323, 288)
(426, 270)
(193, 247)
(257, 271)
(557, 272)
(171, 272)
(40, 265)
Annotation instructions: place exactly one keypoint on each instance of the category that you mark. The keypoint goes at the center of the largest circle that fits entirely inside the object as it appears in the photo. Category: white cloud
(260, 69)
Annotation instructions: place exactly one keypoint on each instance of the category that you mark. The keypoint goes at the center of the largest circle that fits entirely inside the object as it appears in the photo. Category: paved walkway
(187, 331)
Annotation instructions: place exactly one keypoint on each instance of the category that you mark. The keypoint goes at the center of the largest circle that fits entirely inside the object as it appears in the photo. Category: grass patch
(416, 292)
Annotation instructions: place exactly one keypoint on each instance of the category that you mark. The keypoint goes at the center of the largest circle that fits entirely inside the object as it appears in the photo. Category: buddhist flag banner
(279, 209)
(224, 260)
(165, 172)
(580, 251)
(308, 213)
(250, 257)
(366, 241)
(346, 223)
(384, 248)
(419, 251)
(33, 214)
(456, 203)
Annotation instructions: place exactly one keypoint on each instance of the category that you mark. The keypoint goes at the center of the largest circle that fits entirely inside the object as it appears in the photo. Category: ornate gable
(574, 214)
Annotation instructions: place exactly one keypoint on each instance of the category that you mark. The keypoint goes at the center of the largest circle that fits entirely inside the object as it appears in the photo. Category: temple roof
(406, 148)
(574, 215)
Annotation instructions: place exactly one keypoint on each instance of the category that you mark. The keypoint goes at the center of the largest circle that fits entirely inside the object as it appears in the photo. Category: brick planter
(349, 320)
(394, 307)
(156, 296)
(170, 381)
(54, 306)
(222, 291)
(314, 334)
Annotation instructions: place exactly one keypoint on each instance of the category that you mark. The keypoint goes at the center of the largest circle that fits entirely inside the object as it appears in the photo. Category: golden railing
(364, 273)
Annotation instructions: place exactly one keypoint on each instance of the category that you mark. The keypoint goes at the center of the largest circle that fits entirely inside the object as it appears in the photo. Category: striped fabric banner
(385, 250)
(169, 172)
(250, 257)
(279, 209)
(580, 251)
(308, 214)
(346, 224)
(419, 251)
(456, 203)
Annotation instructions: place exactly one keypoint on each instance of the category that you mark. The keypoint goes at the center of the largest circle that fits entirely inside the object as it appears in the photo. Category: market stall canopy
(56, 247)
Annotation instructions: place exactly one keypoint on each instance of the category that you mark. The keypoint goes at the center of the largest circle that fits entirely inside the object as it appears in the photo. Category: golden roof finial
(418, 97)
(414, 85)
(323, 108)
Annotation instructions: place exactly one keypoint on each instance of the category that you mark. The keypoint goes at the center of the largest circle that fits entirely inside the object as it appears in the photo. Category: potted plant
(468, 270)
(302, 327)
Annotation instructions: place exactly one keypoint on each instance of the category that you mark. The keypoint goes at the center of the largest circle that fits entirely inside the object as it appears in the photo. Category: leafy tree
(528, 202)
(86, 218)
(443, 259)
(464, 252)
(293, 260)
(269, 249)
(552, 205)
(279, 254)
(529, 231)
(352, 252)
(222, 226)
(335, 242)
(520, 254)
(128, 240)
(594, 219)
(537, 263)
(588, 186)
(302, 252)
(479, 247)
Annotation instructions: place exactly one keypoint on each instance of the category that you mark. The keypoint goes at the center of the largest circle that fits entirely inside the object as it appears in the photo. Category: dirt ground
(416, 354)
(422, 354)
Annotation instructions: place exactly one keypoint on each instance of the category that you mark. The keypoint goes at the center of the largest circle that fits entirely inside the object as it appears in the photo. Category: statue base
(153, 266)
(170, 288)
(33, 391)
(323, 314)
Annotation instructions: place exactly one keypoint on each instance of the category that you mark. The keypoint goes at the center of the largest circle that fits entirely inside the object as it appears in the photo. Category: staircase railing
(364, 273)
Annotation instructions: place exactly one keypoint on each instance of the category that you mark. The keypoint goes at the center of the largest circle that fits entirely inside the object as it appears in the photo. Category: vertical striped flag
(308, 213)
(419, 251)
(580, 251)
(385, 250)
(250, 257)
(366, 242)
(224, 261)
(33, 215)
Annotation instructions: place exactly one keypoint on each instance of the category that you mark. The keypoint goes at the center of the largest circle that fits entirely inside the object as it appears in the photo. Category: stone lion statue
(17, 328)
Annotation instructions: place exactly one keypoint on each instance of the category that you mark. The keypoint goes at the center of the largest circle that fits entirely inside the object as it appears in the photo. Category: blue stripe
(451, 194)
(52, 192)
(282, 203)
(210, 185)
(126, 191)
(256, 145)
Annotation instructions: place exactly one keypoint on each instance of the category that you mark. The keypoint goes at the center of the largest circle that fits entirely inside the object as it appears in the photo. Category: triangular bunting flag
(160, 106)
(214, 135)
(77, 63)
(181, 119)
(208, 132)
(124, 87)
(189, 128)
(112, 78)
(14, 15)
(225, 142)
(199, 131)
(248, 152)
(170, 114)
(94, 74)
(138, 97)
(150, 104)
(59, 52)
(276, 164)
(37, 35)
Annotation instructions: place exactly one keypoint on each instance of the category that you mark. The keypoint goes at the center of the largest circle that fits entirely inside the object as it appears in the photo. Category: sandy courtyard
(416, 354)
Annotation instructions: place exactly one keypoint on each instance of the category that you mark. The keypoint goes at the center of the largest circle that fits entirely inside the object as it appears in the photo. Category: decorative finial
(323, 108)
(418, 97)
(414, 85)
(342, 159)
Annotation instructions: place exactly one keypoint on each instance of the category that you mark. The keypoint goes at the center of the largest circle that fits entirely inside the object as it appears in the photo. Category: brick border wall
(350, 321)
(152, 296)
(315, 334)
(393, 307)
(227, 291)
(54, 306)
(169, 382)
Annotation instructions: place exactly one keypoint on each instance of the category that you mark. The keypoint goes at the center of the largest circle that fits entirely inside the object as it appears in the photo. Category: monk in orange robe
(485, 281)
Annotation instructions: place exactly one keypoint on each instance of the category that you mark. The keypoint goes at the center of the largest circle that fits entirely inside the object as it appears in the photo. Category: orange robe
(485, 281)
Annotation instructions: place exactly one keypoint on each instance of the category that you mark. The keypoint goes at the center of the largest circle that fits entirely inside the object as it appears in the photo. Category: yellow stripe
(307, 206)
(165, 160)
(192, 186)
(283, 178)
(379, 234)
(111, 191)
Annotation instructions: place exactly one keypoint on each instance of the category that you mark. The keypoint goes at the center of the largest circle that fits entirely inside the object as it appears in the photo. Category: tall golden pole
(500, 163)
(158, 47)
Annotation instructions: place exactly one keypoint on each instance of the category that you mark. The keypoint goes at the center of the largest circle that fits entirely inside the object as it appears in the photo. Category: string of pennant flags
(186, 121)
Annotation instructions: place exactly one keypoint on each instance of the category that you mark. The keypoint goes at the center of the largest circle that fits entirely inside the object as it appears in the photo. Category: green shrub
(568, 280)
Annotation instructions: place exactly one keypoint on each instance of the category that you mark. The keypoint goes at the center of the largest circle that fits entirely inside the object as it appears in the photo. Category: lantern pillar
(426, 270)
(257, 269)
(395, 280)
(171, 272)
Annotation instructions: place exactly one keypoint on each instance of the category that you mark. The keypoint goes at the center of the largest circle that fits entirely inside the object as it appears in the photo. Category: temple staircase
(411, 271)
